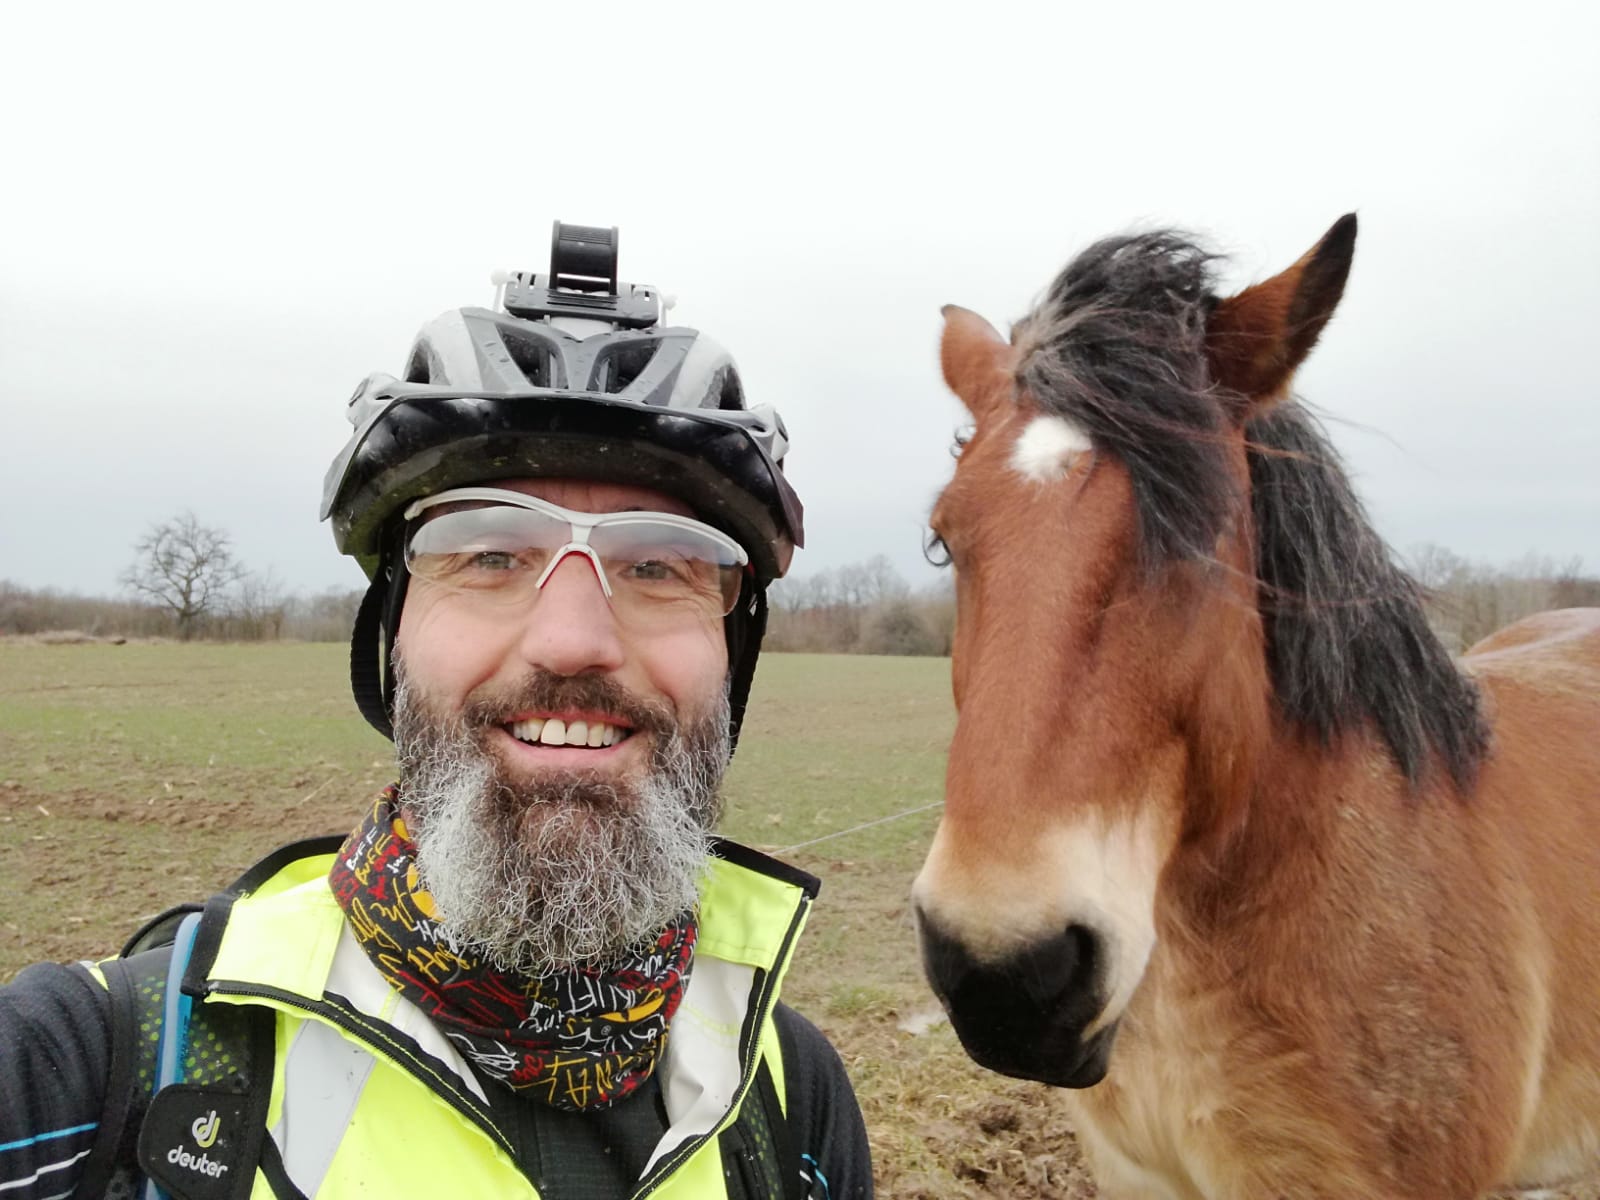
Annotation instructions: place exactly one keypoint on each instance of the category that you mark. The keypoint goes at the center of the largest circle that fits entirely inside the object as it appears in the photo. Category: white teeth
(555, 731)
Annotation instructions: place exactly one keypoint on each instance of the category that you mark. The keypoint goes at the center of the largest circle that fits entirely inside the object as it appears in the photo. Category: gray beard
(568, 869)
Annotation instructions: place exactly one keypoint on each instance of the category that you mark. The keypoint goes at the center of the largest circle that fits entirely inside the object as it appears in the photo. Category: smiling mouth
(577, 733)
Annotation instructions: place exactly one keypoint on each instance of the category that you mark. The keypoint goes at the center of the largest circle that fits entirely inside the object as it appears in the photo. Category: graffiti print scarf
(576, 1038)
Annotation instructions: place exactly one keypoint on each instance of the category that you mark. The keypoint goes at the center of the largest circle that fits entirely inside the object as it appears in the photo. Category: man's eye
(492, 560)
(652, 570)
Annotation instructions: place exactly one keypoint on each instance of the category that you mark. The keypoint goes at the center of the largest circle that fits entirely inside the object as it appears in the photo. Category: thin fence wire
(828, 837)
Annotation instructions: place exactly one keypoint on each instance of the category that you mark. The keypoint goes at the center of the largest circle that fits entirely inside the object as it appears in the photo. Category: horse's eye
(935, 550)
(959, 440)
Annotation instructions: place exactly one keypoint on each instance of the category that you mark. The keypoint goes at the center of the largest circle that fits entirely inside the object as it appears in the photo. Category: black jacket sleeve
(823, 1117)
(55, 1053)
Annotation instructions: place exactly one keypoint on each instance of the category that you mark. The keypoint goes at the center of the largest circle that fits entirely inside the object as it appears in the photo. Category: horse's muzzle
(1025, 1015)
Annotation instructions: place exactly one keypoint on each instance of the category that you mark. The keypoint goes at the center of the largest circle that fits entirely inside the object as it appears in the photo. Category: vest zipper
(747, 1074)
(392, 1052)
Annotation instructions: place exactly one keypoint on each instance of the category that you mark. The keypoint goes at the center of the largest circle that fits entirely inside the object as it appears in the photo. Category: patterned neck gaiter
(577, 1038)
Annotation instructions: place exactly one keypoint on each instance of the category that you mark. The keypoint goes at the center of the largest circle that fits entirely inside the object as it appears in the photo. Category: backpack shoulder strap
(136, 987)
(758, 1154)
(162, 1041)
(218, 1046)
(159, 930)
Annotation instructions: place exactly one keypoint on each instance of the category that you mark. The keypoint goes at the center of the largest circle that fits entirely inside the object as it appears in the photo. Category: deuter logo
(204, 1131)
(198, 1141)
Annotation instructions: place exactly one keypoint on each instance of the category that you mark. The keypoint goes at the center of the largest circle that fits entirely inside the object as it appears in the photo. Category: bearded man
(532, 969)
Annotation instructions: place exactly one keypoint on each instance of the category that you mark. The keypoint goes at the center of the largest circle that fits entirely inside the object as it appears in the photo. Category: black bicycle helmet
(573, 375)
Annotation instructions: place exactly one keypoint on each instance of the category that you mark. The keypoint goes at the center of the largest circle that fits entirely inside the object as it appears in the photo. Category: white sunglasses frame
(582, 525)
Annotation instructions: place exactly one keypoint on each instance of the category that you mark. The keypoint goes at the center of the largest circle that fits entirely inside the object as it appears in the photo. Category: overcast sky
(212, 226)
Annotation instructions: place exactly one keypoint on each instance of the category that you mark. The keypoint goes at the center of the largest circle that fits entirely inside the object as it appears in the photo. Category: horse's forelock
(1117, 347)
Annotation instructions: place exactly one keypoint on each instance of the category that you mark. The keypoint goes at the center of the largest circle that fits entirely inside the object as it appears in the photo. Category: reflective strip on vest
(323, 1077)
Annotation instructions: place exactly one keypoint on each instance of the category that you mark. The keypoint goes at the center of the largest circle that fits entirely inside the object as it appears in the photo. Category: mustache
(489, 707)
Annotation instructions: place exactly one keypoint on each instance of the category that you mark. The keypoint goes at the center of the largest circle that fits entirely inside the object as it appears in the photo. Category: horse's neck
(1303, 815)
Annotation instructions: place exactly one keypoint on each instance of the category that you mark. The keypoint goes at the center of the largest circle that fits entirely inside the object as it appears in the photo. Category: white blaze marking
(1046, 448)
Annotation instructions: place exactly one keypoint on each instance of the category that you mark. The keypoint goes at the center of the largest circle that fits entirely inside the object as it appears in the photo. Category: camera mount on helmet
(582, 283)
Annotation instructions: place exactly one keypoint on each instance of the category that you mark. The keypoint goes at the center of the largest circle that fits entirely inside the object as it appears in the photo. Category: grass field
(133, 777)
(136, 776)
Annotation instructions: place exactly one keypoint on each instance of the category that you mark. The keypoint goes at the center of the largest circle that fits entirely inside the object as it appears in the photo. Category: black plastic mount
(584, 257)
(583, 282)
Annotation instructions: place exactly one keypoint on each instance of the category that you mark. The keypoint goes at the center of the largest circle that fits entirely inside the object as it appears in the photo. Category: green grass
(99, 716)
(833, 741)
(133, 777)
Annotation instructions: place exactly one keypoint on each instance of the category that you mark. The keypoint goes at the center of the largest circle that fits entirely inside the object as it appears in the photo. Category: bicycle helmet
(573, 375)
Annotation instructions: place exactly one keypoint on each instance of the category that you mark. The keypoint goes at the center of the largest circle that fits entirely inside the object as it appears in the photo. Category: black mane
(1117, 347)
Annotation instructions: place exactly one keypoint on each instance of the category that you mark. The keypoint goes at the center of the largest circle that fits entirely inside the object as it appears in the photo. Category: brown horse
(1230, 843)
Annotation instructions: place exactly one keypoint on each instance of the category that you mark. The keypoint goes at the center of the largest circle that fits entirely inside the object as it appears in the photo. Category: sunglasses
(502, 547)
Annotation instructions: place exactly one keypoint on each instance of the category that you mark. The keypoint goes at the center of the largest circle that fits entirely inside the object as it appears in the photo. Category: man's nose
(571, 627)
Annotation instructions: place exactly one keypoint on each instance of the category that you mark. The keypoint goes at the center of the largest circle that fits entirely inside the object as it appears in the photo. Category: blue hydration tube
(174, 1043)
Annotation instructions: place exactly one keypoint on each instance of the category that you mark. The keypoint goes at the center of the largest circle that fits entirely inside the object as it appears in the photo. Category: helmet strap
(744, 627)
(366, 673)
(372, 642)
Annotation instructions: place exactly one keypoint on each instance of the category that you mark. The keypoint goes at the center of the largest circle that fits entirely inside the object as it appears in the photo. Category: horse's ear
(1256, 339)
(977, 361)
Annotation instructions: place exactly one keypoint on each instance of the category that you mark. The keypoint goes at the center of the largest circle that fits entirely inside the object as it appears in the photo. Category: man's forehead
(591, 495)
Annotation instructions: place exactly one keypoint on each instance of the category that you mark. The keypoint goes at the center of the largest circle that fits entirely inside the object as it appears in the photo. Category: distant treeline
(255, 612)
(1468, 601)
(862, 608)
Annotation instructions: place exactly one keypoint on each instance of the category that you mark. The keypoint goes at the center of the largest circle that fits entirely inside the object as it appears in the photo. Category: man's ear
(1257, 339)
(976, 360)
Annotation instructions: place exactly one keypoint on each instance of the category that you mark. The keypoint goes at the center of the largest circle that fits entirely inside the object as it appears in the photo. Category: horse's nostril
(1061, 970)
(1024, 1013)
(944, 958)
(1063, 966)
(1086, 952)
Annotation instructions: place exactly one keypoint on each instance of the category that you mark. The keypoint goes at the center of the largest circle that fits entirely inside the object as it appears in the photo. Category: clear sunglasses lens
(495, 549)
(660, 564)
(657, 569)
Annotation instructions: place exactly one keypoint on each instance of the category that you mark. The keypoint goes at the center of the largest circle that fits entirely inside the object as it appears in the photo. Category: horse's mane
(1117, 346)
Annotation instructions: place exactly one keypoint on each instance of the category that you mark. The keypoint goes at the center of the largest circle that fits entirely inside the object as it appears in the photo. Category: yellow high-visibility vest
(368, 1097)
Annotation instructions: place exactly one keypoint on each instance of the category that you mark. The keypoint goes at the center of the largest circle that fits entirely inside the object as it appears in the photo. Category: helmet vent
(731, 398)
(421, 366)
(624, 365)
(529, 356)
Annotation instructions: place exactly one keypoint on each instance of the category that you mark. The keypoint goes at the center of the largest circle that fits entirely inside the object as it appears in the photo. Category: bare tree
(259, 606)
(325, 617)
(1434, 566)
(185, 567)
(1572, 590)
